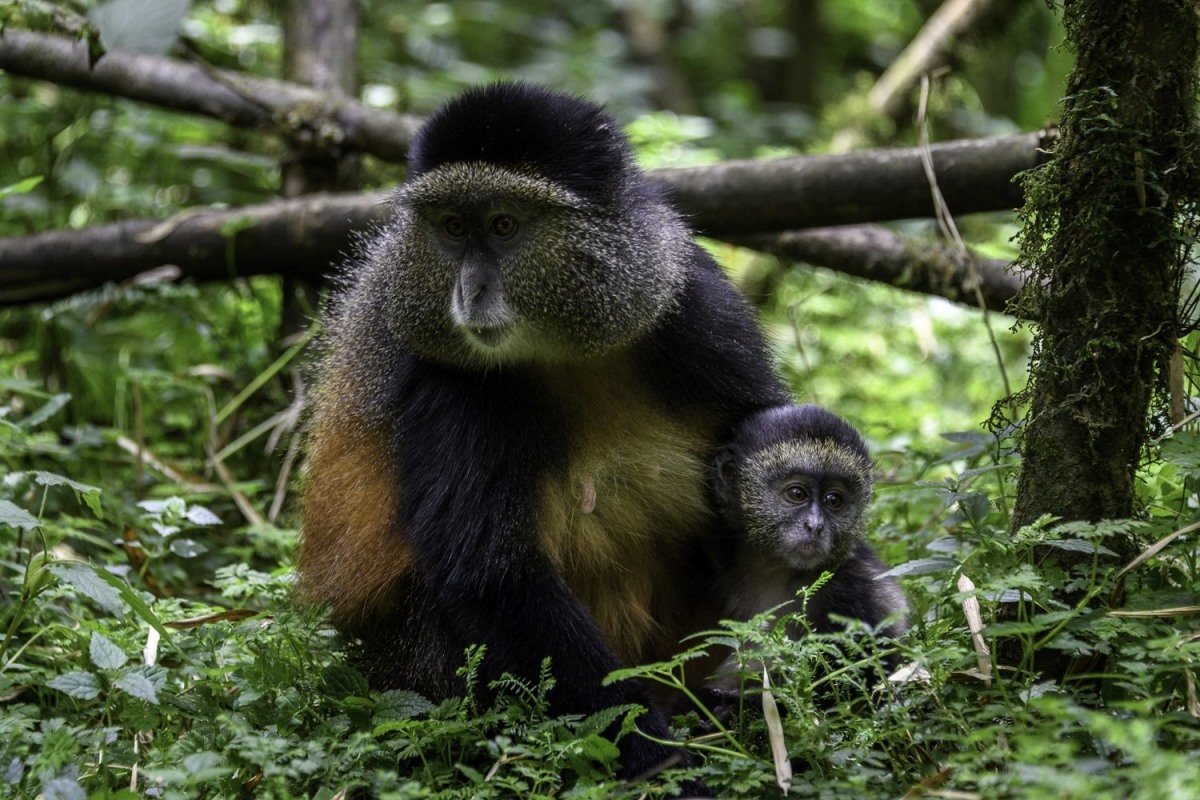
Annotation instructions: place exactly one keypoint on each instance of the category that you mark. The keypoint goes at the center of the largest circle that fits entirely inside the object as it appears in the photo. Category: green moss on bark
(1105, 241)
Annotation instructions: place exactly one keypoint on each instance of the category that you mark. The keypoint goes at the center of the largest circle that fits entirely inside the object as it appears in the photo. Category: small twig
(239, 498)
(950, 230)
(1155, 549)
(143, 455)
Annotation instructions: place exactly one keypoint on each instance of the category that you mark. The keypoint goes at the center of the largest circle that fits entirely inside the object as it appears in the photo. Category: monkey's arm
(709, 351)
(854, 592)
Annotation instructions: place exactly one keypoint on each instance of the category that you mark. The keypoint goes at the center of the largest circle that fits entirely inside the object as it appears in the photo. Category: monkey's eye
(454, 227)
(503, 225)
(795, 493)
(833, 501)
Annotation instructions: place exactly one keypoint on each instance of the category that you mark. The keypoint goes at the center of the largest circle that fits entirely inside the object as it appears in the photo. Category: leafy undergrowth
(150, 648)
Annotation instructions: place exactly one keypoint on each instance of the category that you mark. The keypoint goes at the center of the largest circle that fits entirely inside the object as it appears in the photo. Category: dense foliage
(149, 439)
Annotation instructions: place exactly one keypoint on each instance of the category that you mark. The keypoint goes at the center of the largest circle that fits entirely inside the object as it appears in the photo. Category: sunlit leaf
(21, 187)
(921, 566)
(84, 578)
(187, 548)
(139, 26)
(80, 685)
(88, 493)
(14, 516)
(139, 686)
(199, 515)
(105, 654)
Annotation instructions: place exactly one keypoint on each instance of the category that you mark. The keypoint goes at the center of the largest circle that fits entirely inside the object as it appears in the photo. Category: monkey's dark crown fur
(522, 126)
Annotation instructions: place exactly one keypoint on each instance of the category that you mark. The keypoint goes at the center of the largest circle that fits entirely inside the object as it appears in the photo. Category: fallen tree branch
(744, 197)
(305, 236)
(881, 254)
(301, 237)
(306, 117)
(975, 174)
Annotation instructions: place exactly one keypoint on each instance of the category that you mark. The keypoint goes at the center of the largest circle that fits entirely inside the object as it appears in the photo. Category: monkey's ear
(724, 477)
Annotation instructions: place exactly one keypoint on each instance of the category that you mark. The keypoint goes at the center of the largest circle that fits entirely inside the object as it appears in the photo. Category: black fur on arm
(854, 591)
(473, 445)
(709, 350)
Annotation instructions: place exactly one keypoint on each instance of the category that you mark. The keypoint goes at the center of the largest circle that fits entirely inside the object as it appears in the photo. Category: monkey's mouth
(488, 335)
(805, 553)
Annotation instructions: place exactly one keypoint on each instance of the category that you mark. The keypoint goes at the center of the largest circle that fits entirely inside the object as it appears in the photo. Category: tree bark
(880, 254)
(767, 195)
(320, 49)
(1105, 246)
(308, 236)
(304, 237)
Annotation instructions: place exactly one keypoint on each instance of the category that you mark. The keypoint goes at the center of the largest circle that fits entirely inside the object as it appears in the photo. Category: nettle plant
(144, 655)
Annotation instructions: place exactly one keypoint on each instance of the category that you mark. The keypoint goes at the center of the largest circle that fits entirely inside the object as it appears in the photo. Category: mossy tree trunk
(1105, 243)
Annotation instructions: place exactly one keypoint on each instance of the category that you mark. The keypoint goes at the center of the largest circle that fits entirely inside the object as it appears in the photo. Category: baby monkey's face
(811, 515)
(809, 521)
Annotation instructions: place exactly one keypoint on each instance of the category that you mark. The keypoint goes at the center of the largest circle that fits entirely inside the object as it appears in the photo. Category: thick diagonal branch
(303, 115)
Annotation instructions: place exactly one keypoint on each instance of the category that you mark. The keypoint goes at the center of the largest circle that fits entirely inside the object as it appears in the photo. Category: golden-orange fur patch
(623, 521)
(350, 553)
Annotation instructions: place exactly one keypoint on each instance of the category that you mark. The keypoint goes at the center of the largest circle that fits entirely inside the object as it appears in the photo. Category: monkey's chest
(623, 521)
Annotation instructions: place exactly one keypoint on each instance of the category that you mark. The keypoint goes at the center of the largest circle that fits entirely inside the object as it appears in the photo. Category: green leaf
(1078, 546)
(1039, 623)
(86, 580)
(105, 654)
(171, 508)
(199, 515)
(205, 765)
(14, 516)
(63, 787)
(89, 494)
(21, 187)
(600, 721)
(134, 598)
(342, 680)
(47, 410)
(401, 704)
(52, 479)
(1183, 449)
(138, 685)
(969, 474)
(80, 685)
(139, 26)
(187, 548)
(921, 566)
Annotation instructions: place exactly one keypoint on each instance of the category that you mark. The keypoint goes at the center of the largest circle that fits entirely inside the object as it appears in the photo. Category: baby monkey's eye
(503, 225)
(454, 227)
(833, 501)
(795, 493)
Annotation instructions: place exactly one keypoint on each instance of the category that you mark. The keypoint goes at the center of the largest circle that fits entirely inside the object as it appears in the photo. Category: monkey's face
(803, 503)
(487, 266)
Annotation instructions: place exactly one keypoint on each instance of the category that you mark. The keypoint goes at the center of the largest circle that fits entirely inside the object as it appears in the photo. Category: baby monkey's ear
(723, 477)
